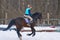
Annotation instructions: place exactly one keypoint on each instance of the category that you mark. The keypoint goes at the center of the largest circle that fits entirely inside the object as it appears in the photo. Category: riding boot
(28, 24)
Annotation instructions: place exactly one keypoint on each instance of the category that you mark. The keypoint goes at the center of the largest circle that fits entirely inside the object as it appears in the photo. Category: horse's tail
(12, 22)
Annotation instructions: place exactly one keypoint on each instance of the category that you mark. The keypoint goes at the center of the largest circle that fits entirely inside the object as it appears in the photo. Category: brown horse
(20, 23)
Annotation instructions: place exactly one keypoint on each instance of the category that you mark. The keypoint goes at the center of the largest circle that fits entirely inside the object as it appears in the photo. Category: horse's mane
(37, 14)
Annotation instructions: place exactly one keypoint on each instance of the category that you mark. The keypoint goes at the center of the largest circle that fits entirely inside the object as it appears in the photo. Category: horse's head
(37, 15)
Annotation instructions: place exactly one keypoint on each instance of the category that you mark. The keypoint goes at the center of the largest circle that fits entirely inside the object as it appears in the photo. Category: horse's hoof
(33, 35)
(29, 34)
(20, 38)
(3, 30)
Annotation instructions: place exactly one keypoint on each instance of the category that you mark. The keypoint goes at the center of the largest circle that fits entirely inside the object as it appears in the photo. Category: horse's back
(21, 21)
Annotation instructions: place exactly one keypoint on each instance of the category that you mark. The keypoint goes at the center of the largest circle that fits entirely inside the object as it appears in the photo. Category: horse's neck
(34, 20)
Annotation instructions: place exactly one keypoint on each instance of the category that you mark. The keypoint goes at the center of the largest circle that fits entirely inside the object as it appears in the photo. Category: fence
(43, 22)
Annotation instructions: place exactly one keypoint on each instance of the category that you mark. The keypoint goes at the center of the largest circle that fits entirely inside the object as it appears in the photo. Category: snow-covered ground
(11, 35)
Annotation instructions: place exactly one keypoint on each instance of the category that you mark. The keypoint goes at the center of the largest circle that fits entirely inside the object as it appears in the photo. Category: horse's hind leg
(18, 33)
(33, 31)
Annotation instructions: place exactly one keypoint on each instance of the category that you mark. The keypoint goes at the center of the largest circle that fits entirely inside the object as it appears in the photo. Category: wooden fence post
(48, 17)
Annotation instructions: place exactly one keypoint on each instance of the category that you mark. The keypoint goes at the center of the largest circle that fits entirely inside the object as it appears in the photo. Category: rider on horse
(28, 13)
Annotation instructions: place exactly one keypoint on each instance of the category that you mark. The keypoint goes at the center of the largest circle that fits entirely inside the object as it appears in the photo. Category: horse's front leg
(33, 32)
(18, 33)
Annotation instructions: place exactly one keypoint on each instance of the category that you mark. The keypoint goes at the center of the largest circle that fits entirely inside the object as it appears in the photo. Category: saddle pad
(27, 20)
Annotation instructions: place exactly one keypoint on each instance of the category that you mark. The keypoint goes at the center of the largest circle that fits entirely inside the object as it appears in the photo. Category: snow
(11, 35)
